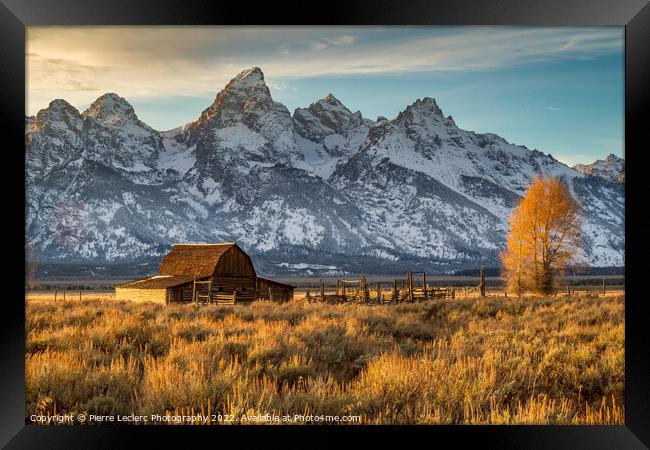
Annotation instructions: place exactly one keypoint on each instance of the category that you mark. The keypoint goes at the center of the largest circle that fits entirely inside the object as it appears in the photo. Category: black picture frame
(634, 15)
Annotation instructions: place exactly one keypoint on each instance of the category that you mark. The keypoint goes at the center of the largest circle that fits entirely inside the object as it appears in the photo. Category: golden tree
(544, 237)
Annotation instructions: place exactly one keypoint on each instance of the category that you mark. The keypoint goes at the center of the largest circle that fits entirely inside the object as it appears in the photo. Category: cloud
(338, 41)
(152, 62)
(278, 85)
(553, 108)
(318, 45)
(342, 40)
(283, 50)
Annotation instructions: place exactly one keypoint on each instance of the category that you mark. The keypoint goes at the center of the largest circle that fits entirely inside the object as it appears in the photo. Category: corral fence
(410, 289)
(415, 287)
(61, 295)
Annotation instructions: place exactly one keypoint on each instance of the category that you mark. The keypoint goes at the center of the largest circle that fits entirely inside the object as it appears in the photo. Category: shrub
(494, 360)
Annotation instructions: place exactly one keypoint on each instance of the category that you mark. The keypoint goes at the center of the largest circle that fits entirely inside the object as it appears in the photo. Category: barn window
(220, 288)
(243, 289)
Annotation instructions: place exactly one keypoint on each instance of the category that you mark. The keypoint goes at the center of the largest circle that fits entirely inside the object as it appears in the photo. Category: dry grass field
(473, 361)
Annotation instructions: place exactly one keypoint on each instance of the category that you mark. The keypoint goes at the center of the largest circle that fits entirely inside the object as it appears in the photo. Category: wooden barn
(205, 273)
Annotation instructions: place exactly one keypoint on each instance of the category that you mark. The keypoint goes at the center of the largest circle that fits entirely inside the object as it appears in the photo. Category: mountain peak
(244, 90)
(323, 117)
(422, 109)
(58, 113)
(611, 168)
(111, 98)
(254, 72)
(248, 80)
(612, 158)
(111, 108)
(329, 103)
(60, 104)
(245, 103)
(329, 98)
(426, 105)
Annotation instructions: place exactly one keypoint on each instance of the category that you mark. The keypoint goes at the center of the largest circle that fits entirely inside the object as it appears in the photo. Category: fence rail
(358, 291)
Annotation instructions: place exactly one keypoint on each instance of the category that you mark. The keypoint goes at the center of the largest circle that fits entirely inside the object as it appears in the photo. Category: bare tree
(31, 267)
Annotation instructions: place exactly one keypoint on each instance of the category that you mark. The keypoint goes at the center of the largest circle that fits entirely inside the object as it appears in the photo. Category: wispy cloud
(318, 45)
(336, 41)
(341, 40)
(280, 86)
(150, 62)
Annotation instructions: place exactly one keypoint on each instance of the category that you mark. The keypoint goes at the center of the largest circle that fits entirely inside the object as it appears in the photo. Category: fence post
(424, 278)
(64, 295)
(322, 290)
(482, 283)
(55, 292)
(603, 286)
(79, 295)
(194, 299)
(234, 296)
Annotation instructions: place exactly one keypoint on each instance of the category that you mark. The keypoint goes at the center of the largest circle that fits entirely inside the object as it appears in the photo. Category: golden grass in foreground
(495, 360)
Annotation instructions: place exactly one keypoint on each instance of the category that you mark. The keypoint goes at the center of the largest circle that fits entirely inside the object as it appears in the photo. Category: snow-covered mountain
(323, 190)
(328, 132)
(612, 168)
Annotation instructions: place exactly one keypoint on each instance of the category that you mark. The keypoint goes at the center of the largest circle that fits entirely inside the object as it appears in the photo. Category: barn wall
(245, 286)
(182, 293)
(279, 292)
(235, 263)
(141, 295)
(227, 285)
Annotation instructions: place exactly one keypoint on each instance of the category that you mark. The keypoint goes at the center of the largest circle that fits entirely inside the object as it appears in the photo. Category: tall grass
(482, 361)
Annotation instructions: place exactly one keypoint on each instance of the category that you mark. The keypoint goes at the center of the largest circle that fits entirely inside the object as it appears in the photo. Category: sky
(558, 90)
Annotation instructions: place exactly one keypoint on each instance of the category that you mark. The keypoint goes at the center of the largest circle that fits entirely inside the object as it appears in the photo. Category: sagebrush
(481, 361)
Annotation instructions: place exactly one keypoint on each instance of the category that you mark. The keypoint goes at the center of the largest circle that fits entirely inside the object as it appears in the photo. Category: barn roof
(157, 282)
(193, 259)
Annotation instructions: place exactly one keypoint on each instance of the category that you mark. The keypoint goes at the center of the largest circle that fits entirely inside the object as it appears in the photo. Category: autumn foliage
(544, 237)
